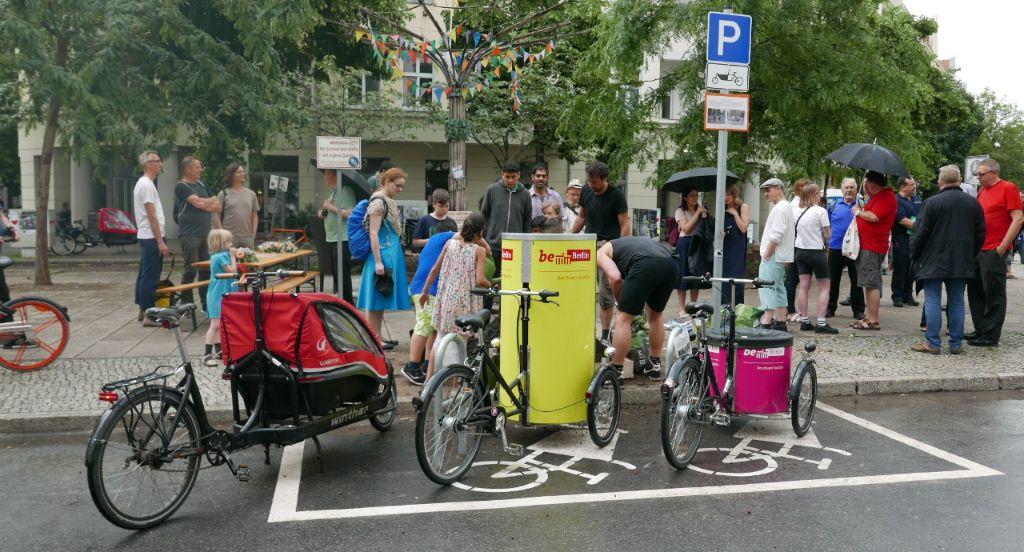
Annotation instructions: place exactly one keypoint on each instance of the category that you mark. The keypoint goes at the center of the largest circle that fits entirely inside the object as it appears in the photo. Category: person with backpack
(382, 287)
(239, 208)
(194, 206)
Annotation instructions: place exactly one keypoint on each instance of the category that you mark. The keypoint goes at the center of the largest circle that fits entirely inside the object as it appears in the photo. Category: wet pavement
(929, 471)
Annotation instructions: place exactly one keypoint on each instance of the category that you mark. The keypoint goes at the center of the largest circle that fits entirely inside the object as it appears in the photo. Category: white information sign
(732, 78)
(338, 152)
(727, 112)
(970, 167)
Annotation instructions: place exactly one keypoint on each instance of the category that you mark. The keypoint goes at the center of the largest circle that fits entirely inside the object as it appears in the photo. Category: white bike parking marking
(743, 455)
(573, 443)
(286, 496)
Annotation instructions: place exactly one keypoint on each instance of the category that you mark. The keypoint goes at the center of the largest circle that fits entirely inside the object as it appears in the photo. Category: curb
(46, 422)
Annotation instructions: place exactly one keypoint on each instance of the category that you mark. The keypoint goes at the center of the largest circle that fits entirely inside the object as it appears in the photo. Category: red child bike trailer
(113, 227)
(334, 355)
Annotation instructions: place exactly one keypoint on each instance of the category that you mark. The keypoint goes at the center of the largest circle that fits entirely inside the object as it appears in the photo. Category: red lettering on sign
(570, 256)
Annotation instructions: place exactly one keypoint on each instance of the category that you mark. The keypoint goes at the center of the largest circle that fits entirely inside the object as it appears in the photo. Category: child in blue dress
(222, 259)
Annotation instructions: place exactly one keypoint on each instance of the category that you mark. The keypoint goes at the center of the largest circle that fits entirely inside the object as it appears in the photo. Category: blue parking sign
(729, 38)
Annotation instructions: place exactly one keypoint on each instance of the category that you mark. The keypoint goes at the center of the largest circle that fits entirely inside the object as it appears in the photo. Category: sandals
(865, 325)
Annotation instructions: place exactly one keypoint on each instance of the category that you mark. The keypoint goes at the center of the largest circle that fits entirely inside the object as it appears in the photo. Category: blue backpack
(358, 237)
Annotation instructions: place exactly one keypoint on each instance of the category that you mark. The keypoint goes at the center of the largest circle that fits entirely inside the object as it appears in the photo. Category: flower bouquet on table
(245, 255)
(286, 246)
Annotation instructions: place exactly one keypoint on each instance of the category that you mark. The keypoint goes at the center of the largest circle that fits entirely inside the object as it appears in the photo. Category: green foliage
(1002, 136)
(823, 73)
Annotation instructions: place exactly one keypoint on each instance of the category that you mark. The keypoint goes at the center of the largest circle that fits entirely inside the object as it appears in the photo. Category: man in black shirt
(641, 272)
(906, 212)
(603, 211)
(194, 206)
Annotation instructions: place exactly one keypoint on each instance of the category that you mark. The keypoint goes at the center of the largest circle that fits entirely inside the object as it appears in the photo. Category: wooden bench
(174, 292)
(294, 282)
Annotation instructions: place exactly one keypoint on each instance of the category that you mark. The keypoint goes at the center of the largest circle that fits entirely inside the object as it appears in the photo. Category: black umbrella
(704, 179)
(870, 157)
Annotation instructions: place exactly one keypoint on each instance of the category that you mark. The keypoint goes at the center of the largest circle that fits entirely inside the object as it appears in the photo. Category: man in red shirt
(1000, 199)
(874, 222)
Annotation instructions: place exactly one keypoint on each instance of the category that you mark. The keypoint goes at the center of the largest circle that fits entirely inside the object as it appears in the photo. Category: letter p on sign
(729, 38)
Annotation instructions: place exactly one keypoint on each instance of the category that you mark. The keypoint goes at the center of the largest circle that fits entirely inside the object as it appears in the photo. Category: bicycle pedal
(720, 419)
(515, 449)
(242, 474)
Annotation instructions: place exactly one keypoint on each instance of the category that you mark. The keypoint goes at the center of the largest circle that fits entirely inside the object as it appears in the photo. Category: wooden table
(267, 260)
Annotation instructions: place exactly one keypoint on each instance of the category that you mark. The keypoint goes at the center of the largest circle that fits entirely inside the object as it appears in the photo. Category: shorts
(812, 261)
(650, 281)
(424, 316)
(605, 296)
(774, 296)
(869, 269)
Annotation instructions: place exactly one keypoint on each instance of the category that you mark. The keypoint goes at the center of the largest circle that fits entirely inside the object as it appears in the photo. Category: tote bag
(851, 241)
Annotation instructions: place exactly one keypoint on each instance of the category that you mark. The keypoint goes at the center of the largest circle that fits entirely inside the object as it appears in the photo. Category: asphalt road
(919, 472)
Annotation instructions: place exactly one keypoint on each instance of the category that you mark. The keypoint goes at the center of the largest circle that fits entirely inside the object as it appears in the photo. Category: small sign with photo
(727, 112)
(646, 223)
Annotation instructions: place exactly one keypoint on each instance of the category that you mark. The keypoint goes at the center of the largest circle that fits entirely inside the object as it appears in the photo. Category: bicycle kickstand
(319, 452)
(510, 448)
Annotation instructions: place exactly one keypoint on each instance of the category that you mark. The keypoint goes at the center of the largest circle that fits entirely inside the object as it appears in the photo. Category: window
(420, 73)
(342, 332)
(371, 85)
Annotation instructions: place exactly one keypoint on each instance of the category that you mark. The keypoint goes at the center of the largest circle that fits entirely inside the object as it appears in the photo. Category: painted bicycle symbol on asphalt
(745, 460)
(531, 471)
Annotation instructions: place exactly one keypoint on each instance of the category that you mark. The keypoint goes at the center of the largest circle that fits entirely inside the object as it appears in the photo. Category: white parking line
(286, 496)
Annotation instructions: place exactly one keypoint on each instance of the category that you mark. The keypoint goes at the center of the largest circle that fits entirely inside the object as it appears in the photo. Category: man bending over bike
(641, 272)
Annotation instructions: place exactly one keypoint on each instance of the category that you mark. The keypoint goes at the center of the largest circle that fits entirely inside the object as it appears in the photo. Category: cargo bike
(298, 365)
(469, 397)
(733, 374)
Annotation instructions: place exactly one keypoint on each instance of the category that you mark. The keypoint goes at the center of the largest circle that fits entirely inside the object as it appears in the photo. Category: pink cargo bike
(734, 373)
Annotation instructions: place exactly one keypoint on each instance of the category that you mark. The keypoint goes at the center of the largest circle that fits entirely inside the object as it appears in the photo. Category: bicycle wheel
(382, 422)
(41, 343)
(141, 468)
(805, 396)
(681, 426)
(63, 244)
(604, 408)
(446, 448)
(81, 244)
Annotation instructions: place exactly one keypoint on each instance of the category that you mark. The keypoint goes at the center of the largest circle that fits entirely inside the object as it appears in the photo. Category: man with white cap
(776, 250)
(571, 205)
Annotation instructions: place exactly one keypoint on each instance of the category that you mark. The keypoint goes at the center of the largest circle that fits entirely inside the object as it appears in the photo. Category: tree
(460, 54)
(137, 72)
(1002, 136)
(824, 73)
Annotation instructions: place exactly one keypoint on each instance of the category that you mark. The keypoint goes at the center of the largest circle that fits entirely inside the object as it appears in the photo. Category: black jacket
(948, 235)
(700, 256)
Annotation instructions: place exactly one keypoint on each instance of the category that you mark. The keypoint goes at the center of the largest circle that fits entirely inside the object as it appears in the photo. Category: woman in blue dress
(687, 216)
(387, 259)
(734, 247)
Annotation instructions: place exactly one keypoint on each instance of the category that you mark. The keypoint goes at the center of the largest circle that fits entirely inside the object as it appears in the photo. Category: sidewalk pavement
(107, 344)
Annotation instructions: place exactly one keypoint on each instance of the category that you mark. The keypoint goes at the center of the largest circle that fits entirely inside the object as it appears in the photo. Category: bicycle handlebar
(281, 273)
(490, 292)
(757, 282)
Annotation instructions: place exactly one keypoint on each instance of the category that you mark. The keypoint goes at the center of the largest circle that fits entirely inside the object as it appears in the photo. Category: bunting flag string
(498, 59)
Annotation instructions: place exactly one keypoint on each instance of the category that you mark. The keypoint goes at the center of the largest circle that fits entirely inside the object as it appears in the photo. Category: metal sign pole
(340, 292)
(716, 288)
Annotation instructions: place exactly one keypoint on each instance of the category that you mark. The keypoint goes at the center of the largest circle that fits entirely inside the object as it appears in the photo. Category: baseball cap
(772, 182)
(574, 183)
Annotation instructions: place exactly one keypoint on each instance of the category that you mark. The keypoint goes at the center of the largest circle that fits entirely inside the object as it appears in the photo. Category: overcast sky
(985, 38)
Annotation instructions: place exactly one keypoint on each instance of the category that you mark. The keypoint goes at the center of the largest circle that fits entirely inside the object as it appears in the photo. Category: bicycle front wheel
(681, 426)
(604, 408)
(445, 445)
(144, 458)
(804, 398)
(44, 339)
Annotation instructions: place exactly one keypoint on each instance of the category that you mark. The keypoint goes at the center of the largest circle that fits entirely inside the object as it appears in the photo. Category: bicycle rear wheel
(141, 464)
(604, 408)
(81, 243)
(63, 244)
(41, 343)
(681, 427)
(445, 446)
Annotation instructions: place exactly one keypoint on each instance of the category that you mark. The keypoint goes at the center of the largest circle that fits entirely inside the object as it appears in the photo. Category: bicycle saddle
(693, 308)
(5, 261)
(172, 314)
(474, 321)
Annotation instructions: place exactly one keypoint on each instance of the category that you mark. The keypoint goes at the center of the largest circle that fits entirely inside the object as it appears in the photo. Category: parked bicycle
(461, 403)
(33, 330)
(733, 374)
(298, 365)
(71, 239)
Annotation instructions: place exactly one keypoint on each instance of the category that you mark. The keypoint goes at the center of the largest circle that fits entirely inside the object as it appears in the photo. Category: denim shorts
(774, 296)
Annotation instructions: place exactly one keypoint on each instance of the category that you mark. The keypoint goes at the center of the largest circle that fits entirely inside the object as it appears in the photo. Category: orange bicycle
(33, 330)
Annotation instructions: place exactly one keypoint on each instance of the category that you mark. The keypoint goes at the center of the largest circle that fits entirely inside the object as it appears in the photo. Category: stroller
(113, 227)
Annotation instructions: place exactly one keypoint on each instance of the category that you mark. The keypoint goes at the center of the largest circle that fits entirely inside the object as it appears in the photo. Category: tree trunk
(457, 154)
(42, 277)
